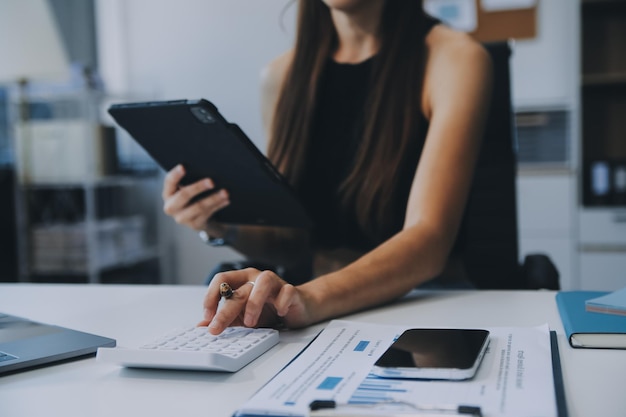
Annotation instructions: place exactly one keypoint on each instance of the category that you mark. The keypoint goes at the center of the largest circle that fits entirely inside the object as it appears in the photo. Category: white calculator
(196, 349)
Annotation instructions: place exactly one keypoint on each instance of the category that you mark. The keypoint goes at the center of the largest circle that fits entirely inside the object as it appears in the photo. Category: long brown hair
(391, 114)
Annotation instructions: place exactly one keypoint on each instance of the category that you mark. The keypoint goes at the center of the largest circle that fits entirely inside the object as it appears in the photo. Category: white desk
(595, 380)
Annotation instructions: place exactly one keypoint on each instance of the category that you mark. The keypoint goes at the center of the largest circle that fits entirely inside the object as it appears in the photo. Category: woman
(371, 88)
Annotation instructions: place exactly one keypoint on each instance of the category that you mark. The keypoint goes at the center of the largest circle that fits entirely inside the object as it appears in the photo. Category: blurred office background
(81, 202)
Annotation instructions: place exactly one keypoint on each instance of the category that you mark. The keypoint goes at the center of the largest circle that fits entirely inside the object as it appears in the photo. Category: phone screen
(434, 353)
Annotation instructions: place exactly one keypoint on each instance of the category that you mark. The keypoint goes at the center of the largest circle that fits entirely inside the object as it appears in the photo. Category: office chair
(491, 235)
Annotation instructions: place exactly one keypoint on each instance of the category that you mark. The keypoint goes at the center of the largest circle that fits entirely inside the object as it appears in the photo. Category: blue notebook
(585, 329)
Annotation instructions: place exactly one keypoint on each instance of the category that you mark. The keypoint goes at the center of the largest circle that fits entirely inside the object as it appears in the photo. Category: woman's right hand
(177, 198)
(269, 302)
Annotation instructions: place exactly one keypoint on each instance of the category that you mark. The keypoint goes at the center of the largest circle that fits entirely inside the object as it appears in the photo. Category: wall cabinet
(602, 270)
(546, 217)
(576, 212)
(602, 217)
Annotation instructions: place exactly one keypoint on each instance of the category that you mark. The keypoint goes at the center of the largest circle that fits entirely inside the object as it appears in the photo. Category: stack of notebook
(594, 319)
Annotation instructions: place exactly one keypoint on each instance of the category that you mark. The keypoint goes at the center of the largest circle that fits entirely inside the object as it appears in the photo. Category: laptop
(25, 344)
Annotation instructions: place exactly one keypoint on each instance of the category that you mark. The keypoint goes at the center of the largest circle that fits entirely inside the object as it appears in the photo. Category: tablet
(193, 133)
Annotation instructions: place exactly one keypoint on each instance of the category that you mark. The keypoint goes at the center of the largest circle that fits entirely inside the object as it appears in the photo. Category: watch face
(212, 241)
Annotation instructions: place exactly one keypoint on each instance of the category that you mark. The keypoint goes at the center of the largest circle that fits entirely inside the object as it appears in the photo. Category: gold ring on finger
(226, 291)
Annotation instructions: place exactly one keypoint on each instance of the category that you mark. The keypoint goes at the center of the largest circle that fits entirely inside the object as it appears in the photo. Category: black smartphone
(452, 354)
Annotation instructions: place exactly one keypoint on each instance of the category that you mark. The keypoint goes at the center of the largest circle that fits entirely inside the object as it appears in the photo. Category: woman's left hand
(259, 299)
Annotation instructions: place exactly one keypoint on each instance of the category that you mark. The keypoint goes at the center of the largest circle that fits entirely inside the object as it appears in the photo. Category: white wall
(545, 76)
(544, 70)
(215, 49)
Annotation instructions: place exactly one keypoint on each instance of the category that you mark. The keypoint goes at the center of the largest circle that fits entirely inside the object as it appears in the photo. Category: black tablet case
(193, 133)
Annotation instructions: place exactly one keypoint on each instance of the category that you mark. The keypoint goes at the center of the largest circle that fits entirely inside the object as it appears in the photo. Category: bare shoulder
(447, 47)
(456, 60)
(273, 74)
(272, 78)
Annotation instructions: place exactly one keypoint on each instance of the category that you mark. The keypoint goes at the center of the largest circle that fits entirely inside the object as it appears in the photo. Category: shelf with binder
(64, 247)
(86, 229)
(78, 219)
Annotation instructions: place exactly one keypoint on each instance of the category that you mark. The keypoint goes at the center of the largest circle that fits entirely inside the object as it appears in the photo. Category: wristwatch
(211, 241)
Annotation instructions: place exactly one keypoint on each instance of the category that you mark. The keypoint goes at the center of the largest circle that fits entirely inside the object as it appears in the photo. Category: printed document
(514, 379)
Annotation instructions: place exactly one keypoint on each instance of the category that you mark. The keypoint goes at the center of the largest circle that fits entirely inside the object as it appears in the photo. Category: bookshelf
(80, 216)
(603, 93)
(602, 214)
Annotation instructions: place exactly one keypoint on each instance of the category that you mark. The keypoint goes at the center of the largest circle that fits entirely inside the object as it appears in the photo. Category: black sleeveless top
(337, 128)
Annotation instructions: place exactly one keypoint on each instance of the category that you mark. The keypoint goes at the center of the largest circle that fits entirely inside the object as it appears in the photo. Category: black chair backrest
(491, 245)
